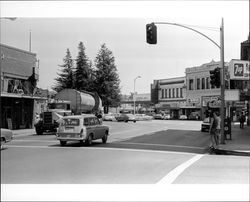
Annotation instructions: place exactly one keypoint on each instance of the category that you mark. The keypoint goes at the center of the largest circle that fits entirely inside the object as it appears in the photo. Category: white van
(84, 128)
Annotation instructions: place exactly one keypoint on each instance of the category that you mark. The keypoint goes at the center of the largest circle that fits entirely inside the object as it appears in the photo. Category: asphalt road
(142, 153)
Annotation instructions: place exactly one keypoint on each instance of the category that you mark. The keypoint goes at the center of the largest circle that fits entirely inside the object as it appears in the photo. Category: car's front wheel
(105, 138)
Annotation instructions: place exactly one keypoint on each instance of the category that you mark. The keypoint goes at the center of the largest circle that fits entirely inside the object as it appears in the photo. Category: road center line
(171, 176)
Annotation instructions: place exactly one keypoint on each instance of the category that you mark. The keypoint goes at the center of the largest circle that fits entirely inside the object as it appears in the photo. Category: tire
(88, 141)
(105, 138)
(2, 142)
(39, 130)
(63, 143)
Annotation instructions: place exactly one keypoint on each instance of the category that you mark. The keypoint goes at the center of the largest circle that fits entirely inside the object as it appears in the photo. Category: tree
(83, 73)
(65, 78)
(106, 78)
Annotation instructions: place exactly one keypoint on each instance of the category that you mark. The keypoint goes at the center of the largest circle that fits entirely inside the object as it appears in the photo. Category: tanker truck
(67, 102)
(82, 102)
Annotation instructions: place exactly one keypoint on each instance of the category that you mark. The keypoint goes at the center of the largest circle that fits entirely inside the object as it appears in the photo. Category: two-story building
(19, 75)
(199, 90)
(169, 96)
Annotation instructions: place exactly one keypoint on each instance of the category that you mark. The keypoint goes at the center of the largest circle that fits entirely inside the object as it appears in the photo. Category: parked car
(194, 116)
(84, 128)
(109, 117)
(166, 116)
(6, 136)
(121, 117)
(205, 125)
(183, 117)
(158, 116)
(131, 117)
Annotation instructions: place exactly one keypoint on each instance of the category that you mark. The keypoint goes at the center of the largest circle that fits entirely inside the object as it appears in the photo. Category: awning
(16, 95)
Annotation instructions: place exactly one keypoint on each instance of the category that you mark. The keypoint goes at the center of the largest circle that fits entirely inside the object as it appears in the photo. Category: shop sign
(193, 100)
(239, 69)
(212, 101)
(240, 104)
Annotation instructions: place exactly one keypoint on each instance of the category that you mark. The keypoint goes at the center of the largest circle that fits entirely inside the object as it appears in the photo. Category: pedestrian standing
(214, 130)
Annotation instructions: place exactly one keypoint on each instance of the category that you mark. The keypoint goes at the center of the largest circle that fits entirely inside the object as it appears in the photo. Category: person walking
(242, 120)
(214, 129)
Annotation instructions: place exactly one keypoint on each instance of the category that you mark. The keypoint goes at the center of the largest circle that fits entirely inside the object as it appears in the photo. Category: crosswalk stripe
(171, 176)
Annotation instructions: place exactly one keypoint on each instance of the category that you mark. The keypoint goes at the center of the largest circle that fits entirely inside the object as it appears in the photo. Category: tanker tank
(81, 101)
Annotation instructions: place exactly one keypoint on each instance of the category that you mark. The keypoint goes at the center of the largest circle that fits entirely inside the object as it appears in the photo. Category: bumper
(70, 136)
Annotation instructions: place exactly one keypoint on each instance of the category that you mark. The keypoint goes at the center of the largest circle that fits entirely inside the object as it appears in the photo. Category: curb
(231, 152)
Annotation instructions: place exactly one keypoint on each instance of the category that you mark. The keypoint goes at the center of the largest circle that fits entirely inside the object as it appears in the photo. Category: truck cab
(48, 119)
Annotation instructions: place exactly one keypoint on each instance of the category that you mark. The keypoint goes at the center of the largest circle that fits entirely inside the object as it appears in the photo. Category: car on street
(166, 117)
(205, 125)
(109, 117)
(183, 117)
(6, 136)
(131, 117)
(121, 117)
(158, 116)
(84, 128)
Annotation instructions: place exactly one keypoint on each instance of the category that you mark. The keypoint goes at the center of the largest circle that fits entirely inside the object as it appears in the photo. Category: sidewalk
(24, 132)
(239, 144)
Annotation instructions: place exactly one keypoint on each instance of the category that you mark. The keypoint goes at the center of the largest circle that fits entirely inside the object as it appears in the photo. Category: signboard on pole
(239, 69)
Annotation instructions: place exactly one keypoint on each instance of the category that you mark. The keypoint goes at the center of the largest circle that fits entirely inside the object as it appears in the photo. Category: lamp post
(134, 91)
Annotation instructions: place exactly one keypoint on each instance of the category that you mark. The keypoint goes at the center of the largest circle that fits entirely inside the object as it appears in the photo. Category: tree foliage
(102, 77)
(65, 77)
(83, 73)
(106, 77)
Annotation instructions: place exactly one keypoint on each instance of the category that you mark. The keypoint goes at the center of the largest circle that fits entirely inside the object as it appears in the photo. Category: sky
(121, 25)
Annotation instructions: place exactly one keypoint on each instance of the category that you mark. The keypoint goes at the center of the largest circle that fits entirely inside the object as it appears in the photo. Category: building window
(181, 93)
(162, 93)
(169, 93)
(207, 83)
(198, 84)
(203, 83)
(173, 93)
(177, 92)
(191, 84)
(166, 93)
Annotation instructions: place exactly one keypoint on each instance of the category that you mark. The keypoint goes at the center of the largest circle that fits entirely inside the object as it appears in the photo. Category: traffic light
(215, 77)
(151, 32)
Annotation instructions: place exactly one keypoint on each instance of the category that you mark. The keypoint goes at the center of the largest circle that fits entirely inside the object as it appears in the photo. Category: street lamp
(134, 91)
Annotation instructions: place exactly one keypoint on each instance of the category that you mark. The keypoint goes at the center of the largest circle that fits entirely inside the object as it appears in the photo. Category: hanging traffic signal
(215, 77)
(212, 78)
(151, 33)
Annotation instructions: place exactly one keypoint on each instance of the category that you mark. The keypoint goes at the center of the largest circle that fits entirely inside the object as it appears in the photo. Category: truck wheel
(88, 141)
(2, 142)
(105, 138)
(39, 131)
(63, 143)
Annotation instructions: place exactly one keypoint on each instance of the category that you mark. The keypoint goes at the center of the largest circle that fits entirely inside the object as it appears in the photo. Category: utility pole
(30, 41)
(222, 70)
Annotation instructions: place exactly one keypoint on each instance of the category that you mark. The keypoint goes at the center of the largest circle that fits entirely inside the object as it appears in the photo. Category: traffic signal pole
(222, 68)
